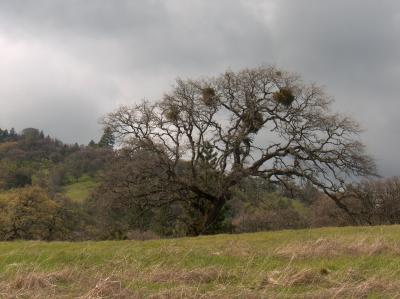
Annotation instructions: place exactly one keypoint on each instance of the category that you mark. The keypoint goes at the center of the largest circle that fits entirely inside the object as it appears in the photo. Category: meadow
(350, 262)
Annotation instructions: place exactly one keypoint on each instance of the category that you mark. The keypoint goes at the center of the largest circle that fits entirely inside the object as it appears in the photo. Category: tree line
(252, 150)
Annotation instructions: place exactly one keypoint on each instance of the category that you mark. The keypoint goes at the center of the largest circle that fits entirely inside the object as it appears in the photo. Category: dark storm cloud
(63, 64)
(353, 48)
(146, 34)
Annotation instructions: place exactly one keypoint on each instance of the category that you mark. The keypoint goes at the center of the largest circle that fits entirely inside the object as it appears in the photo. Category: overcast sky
(65, 63)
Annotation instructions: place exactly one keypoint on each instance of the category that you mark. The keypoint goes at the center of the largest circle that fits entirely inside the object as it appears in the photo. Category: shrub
(31, 214)
(27, 213)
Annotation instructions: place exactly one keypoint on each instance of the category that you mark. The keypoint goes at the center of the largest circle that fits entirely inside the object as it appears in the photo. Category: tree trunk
(212, 216)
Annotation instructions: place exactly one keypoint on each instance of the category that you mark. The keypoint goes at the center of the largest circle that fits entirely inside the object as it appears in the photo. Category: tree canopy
(262, 122)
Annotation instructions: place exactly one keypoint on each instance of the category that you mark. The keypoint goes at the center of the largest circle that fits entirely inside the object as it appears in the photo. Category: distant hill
(33, 158)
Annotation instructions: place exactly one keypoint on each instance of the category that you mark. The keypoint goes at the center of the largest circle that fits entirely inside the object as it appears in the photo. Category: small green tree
(107, 140)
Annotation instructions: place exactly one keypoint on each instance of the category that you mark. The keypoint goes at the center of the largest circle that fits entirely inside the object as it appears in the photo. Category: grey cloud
(188, 35)
(353, 48)
(65, 63)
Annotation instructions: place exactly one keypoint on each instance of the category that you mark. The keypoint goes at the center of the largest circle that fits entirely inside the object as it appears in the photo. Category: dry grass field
(353, 262)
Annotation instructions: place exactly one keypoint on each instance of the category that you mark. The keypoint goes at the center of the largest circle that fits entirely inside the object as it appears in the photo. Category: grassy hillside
(81, 189)
(318, 263)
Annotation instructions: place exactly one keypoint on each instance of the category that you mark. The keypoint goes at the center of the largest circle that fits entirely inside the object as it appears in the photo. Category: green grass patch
(80, 189)
(351, 262)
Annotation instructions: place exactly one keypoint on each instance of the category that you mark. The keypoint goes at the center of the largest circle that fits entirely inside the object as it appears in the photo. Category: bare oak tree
(207, 135)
